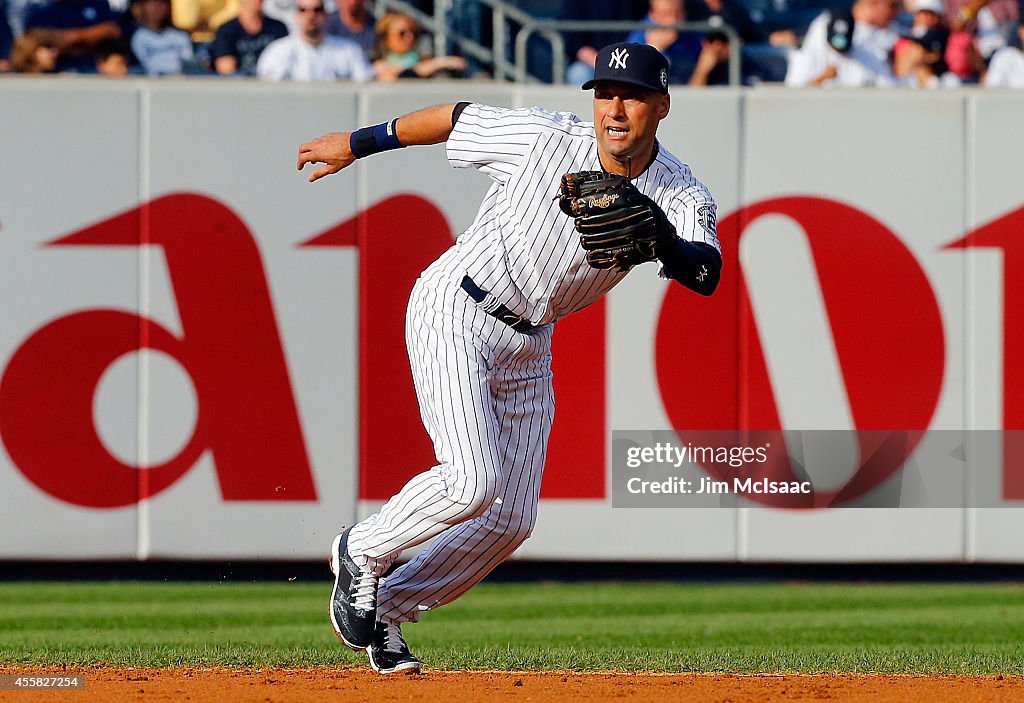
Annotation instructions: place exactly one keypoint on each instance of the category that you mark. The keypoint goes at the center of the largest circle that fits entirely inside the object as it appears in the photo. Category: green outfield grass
(915, 628)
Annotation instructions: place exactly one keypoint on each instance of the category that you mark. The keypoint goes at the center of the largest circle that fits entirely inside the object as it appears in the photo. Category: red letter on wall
(885, 324)
(230, 347)
(1005, 234)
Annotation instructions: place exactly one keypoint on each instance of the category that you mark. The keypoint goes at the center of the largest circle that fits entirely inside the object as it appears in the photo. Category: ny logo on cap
(618, 59)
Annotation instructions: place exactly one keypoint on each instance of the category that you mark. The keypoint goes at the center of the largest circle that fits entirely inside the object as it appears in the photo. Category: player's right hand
(332, 150)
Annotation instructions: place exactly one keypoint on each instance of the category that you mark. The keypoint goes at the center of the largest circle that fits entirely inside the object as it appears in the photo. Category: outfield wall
(272, 403)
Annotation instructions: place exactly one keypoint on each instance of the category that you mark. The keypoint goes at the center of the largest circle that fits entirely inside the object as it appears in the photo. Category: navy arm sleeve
(696, 265)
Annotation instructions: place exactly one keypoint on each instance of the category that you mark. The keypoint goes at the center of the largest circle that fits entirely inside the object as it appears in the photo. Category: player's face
(626, 119)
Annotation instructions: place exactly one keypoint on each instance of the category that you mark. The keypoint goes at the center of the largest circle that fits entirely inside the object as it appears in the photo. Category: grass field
(916, 628)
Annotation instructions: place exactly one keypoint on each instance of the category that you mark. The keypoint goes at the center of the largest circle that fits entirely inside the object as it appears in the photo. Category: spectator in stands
(1003, 13)
(763, 55)
(31, 54)
(113, 58)
(924, 15)
(284, 11)
(240, 41)
(980, 28)
(713, 62)
(581, 47)
(6, 42)
(847, 48)
(396, 56)
(311, 55)
(928, 31)
(712, 66)
(353, 21)
(921, 62)
(734, 14)
(1006, 70)
(963, 56)
(74, 28)
(160, 48)
(202, 18)
(682, 49)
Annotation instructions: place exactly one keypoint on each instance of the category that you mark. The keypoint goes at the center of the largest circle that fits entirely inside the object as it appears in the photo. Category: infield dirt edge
(220, 684)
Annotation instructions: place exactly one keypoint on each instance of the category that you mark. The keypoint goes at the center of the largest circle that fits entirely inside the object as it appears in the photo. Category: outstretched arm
(430, 125)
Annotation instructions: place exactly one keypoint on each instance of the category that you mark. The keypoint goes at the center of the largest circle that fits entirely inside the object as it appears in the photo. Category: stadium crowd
(919, 43)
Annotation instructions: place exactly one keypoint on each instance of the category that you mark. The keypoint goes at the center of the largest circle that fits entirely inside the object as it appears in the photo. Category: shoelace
(393, 640)
(364, 590)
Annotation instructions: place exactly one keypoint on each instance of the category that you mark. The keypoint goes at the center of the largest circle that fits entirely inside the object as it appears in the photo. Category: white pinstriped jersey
(521, 247)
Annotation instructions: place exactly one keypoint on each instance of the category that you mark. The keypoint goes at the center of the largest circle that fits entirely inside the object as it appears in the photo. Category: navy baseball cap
(636, 64)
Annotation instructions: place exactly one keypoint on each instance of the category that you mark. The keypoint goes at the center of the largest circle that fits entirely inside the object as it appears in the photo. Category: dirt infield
(301, 685)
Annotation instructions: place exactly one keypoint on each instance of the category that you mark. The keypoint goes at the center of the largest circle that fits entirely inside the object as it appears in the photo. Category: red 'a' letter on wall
(230, 347)
(1005, 234)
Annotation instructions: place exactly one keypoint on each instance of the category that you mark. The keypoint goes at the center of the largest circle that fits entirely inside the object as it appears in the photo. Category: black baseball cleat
(354, 597)
(389, 653)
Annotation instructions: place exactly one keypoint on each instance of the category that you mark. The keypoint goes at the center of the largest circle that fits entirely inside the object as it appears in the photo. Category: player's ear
(666, 104)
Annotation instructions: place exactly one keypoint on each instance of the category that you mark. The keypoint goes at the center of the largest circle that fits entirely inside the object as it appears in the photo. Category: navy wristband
(371, 140)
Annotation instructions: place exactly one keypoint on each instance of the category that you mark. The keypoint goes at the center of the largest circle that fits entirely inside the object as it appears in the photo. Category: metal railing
(551, 30)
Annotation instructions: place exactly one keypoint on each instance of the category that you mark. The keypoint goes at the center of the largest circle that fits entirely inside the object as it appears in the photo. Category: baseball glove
(619, 226)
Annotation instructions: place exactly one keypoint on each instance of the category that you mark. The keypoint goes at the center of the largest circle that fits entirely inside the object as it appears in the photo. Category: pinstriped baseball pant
(486, 401)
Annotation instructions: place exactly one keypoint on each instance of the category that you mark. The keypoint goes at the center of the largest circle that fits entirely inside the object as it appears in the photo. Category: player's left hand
(619, 226)
(332, 150)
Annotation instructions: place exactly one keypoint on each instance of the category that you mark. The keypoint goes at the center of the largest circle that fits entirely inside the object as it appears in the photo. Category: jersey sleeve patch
(706, 219)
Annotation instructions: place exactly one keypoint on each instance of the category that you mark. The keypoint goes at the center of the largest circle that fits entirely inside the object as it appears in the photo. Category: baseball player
(480, 318)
